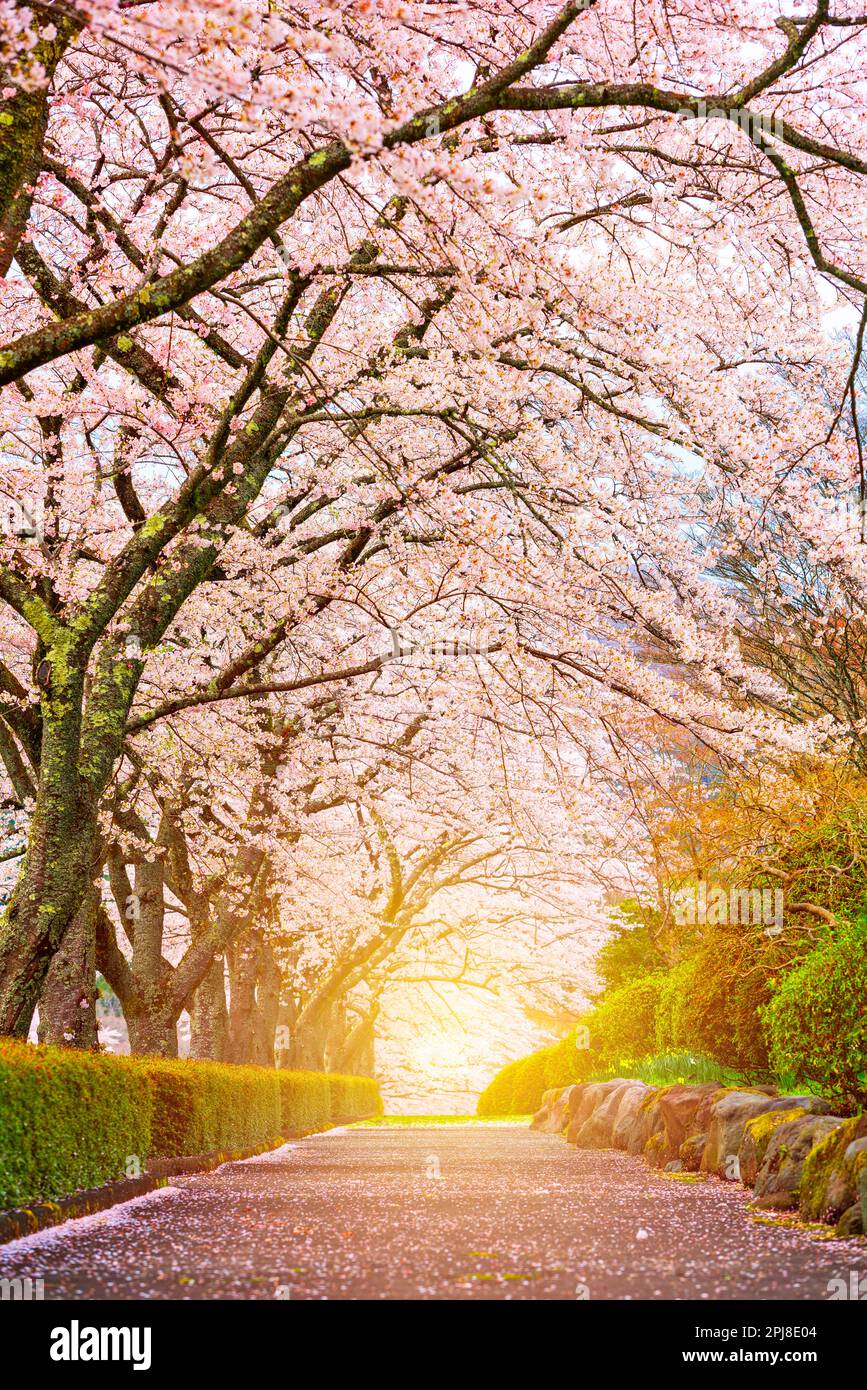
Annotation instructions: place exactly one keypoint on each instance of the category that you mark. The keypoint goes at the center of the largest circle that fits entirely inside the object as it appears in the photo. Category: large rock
(648, 1124)
(593, 1093)
(729, 1117)
(629, 1112)
(778, 1180)
(679, 1113)
(597, 1131)
(758, 1134)
(553, 1117)
(834, 1172)
(691, 1152)
(851, 1223)
(685, 1110)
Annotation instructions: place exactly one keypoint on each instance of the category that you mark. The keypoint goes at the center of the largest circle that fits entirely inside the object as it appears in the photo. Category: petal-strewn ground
(452, 1211)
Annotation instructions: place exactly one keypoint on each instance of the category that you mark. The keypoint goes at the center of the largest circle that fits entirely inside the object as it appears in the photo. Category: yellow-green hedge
(351, 1096)
(70, 1120)
(202, 1107)
(305, 1102)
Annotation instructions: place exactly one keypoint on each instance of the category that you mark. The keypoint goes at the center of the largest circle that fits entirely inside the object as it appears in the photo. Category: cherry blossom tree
(323, 323)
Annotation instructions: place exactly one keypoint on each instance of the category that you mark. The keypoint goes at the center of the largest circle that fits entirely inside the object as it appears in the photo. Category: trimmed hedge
(68, 1120)
(305, 1102)
(351, 1096)
(71, 1120)
(204, 1107)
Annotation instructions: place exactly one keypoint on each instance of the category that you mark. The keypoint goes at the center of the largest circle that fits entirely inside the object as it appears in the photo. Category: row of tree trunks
(240, 1027)
(327, 1039)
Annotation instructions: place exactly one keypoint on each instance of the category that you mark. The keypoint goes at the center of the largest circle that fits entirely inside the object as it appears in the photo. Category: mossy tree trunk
(143, 984)
(82, 738)
(67, 1006)
(63, 849)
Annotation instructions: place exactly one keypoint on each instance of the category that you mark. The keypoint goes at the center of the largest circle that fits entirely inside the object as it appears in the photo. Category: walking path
(460, 1211)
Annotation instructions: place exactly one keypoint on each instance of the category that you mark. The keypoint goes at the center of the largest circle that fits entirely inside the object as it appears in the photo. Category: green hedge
(530, 1084)
(70, 1120)
(305, 1102)
(202, 1107)
(496, 1099)
(352, 1096)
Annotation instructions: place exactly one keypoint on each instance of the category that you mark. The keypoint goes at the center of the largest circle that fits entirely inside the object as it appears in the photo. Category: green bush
(622, 1026)
(205, 1107)
(817, 1019)
(568, 1061)
(711, 1002)
(305, 1102)
(496, 1099)
(630, 952)
(530, 1084)
(352, 1097)
(68, 1120)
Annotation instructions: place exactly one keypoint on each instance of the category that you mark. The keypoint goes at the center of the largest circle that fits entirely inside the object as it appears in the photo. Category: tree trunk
(58, 869)
(209, 1017)
(308, 1045)
(25, 121)
(356, 1056)
(67, 1006)
(151, 1033)
(243, 962)
(338, 1029)
(267, 1007)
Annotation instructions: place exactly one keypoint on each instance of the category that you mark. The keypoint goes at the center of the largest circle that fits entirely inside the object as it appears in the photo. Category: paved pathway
(361, 1213)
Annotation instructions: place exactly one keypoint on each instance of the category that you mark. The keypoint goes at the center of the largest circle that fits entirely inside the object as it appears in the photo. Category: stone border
(41, 1216)
(26, 1221)
(792, 1151)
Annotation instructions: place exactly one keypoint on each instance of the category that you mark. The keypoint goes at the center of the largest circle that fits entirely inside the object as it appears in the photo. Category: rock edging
(793, 1152)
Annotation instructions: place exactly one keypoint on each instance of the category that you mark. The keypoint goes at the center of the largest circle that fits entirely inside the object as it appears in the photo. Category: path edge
(41, 1216)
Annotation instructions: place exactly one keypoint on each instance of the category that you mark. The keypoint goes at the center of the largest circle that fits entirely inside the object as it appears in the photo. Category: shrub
(817, 1019)
(352, 1097)
(496, 1099)
(530, 1084)
(567, 1062)
(711, 1002)
(68, 1120)
(305, 1102)
(630, 951)
(622, 1025)
(203, 1107)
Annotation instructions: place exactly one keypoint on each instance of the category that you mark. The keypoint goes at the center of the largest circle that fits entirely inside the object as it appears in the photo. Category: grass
(694, 1068)
(670, 1067)
(432, 1121)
